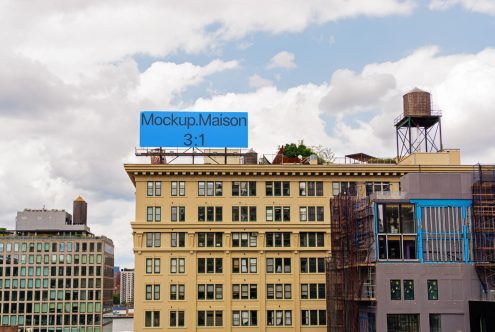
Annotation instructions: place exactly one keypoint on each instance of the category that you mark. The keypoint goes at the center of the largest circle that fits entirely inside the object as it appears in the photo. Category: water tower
(418, 129)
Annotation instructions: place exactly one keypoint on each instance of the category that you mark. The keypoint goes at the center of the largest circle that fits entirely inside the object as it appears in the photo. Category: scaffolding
(484, 225)
(351, 268)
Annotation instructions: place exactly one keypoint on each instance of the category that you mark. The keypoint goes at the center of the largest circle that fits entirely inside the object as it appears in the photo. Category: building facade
(127, 286)
(406, 261)
(55, 276)
(241, 246)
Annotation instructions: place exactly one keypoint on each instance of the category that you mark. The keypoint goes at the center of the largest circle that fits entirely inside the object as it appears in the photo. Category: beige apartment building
(243, 247)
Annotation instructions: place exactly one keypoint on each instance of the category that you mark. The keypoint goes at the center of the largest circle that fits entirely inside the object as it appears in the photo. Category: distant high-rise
(127, 286)
(80, 210)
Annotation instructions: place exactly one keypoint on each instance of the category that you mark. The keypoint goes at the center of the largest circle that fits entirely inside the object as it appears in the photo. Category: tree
(116, 298)
(292, 150)
(325, 154)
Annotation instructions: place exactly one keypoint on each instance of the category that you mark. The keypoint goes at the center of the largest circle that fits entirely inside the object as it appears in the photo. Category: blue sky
(74, 76)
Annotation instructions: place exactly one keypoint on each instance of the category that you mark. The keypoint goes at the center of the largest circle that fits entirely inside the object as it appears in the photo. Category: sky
(74, 76)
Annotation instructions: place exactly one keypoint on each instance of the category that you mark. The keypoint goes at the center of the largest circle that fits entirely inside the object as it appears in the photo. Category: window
(210, 292)
(244, 213)
(152, 292)
(152, 319)
(403, 322)
(177, 319)
(278, 213)
(313, 317)
(153, 213)
(435, 323)
(154, 188)
(313, 291)
(244, 239)
(397, 236)
(177, 265)
(210, 188)
(345, 188)
(278, 265)
(177, 292)
(312, 239)
(432, 286)
(178, 213)
(310, 188)
(408, 289)
(152, 265)
(152, 240)
(311, 213)
(373, 187)
(149, 188)
(210, 213)
(210, 239)
(244, 265)
(277, 188)
(244, 188)
(278, 239)
(244, 291)
(210, 265)
(158, 213)
(245, 318)
(278, 291)
(210, 318)
(395, 293)
(278, 317)
(177, 188)
(178, 239)
(313, 265)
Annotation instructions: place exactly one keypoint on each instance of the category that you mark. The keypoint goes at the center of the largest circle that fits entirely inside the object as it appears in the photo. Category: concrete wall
(445, 157)
(46, 220)
(457, 284)
(437, 185)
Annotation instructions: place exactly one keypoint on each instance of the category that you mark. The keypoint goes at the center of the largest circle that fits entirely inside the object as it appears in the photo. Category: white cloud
(354, 93)
(326, 114)
(71, 39)
(256, 81)
(479, 6)
(282, 59)
(163, 81)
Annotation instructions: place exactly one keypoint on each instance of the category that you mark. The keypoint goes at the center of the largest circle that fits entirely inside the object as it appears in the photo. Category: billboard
(193, 129)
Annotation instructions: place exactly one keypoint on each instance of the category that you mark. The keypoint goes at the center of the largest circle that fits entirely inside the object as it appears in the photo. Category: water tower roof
(416, 89)
(79, 199)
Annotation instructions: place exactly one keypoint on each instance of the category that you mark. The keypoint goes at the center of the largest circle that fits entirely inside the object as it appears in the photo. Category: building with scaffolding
(416, 260)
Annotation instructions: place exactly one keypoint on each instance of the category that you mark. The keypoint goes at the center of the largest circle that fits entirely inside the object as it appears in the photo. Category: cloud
(63, 36)
(73, 138)
(163, 81)
(282, 59)
(479, 6)
(352, 93)
(354, 111)
(256, 81)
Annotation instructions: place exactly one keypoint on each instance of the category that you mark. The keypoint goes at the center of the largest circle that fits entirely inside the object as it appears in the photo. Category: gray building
(54, 275)
(414, 260)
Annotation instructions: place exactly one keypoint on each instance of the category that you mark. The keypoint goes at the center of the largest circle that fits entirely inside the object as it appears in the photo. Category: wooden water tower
(418, 129)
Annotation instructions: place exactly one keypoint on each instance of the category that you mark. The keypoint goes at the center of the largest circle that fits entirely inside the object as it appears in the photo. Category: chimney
(80, 211)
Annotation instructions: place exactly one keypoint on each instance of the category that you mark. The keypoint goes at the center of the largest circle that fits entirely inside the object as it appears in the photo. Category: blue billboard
(193, 129)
